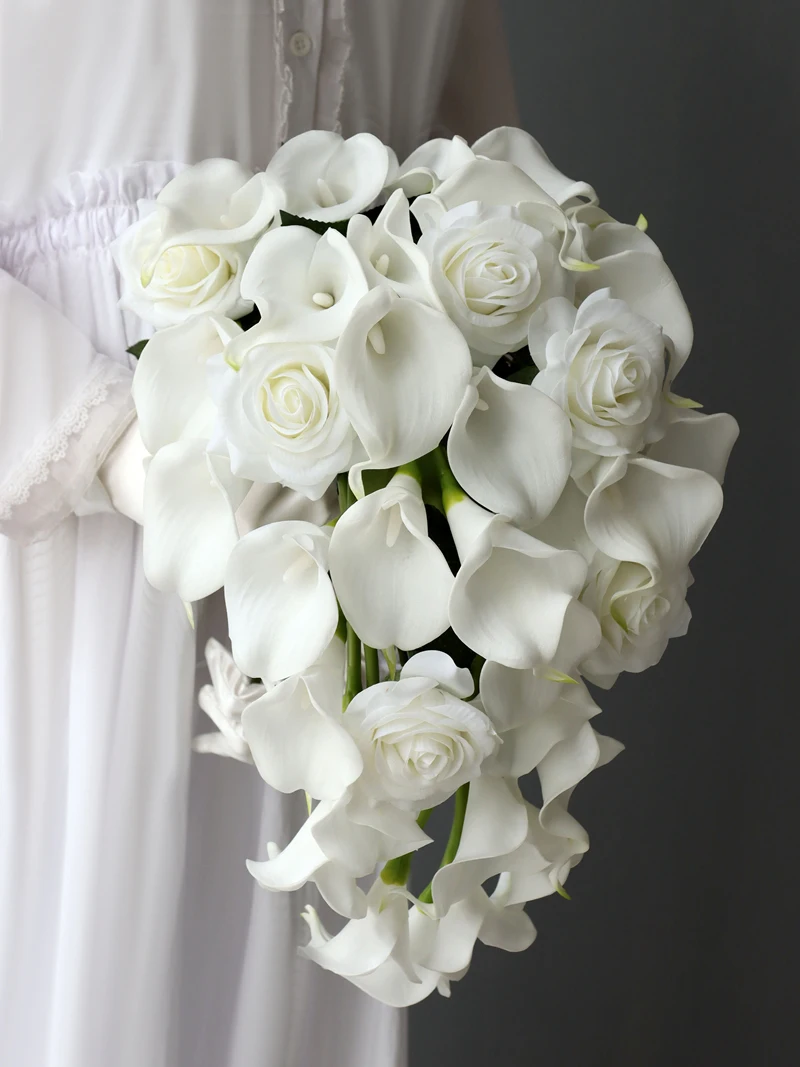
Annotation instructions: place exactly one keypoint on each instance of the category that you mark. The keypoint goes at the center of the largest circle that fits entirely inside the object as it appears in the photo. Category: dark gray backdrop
(679, 945)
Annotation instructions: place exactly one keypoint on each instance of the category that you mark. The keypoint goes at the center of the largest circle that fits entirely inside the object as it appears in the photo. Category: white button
(300, 43)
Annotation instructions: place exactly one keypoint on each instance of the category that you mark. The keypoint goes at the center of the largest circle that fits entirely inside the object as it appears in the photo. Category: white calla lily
(510, 448)
(518, 147)
(702, 442)
(401, 371)
(512, 594)
(170, 383)
(224, 701)
(341, 840)
(388, 254)
(654, 514)
(327, 178)
(391, 579)
(431, 164)
(304, 285)
(282, 610)
(295, 732)
(190, 501)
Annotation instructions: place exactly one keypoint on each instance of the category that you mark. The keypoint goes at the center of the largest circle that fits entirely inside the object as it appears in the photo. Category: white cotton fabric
(130, 931)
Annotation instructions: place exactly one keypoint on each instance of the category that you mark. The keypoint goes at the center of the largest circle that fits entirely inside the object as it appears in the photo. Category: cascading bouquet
(432, 452)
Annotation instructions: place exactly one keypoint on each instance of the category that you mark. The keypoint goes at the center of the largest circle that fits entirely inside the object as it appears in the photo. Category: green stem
(462, 796)
(396, 871)
(452, 492)
(371, 663)
(353, 683)
(345, 497)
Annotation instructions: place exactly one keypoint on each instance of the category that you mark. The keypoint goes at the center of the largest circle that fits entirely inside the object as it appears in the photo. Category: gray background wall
(680, 943)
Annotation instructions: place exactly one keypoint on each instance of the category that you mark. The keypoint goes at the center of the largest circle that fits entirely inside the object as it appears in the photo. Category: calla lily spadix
(401, 371)
(304, 285)
(282, 610)
(328, 178)
(510, 448)
(392, 580)
(388, 254)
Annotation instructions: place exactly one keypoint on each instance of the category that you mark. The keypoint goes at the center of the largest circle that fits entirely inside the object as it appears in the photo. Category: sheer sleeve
(62, 408)
(479, 92)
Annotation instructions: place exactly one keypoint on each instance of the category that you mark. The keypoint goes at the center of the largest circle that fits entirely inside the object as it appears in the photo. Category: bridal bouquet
(419, 422)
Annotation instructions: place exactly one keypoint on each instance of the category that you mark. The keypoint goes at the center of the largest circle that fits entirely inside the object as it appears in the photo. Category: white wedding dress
(131, 934)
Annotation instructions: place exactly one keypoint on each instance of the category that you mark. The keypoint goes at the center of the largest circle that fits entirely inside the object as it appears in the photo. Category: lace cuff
(55, 474)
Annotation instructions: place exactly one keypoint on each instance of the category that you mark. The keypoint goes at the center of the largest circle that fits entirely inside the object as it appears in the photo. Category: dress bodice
(88, 84)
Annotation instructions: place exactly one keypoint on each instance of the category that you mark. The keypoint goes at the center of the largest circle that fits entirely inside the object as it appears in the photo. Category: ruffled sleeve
(62, 407)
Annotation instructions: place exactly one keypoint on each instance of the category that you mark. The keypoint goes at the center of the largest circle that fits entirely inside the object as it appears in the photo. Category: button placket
(303, 25)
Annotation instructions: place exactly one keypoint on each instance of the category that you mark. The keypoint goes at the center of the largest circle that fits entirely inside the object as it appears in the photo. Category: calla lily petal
(702, 442)
(518, 147)
(509, 450)
(190, 499)
(401, 370)
(282, 610)
(170, 387)
(653, 513)
(392, 581)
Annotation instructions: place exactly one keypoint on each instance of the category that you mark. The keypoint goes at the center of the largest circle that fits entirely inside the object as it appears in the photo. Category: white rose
(186, 255)
(605, 366)
(328, 178)
(638, 616)
(492, 270)
(280, 415)
(419, 739)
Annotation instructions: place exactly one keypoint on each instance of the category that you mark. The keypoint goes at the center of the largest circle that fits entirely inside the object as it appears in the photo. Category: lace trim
(287, 80)
(341, 14)
(54, 445)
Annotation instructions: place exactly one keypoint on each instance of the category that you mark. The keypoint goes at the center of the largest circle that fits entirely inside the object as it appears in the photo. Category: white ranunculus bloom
(647, 519)
(185, 257)
(418, 737)
(224, 701)
(518, 147)
(430, 164)
(510, 448)
(341, 840)
(295, 733)
(605, 366)
(304, 285)
(391, 579)
(629, 263)
(492, 270)
(280, 416)
(388, 254)
(327, 178)
(282, 611)
(513, 599)
(401, 371)
(691, 439)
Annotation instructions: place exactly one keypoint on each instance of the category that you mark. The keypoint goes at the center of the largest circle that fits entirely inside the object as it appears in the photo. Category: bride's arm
(63, 409)
(479, 91)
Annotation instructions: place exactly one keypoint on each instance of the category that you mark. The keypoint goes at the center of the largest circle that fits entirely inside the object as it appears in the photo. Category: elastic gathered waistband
(84, 210)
